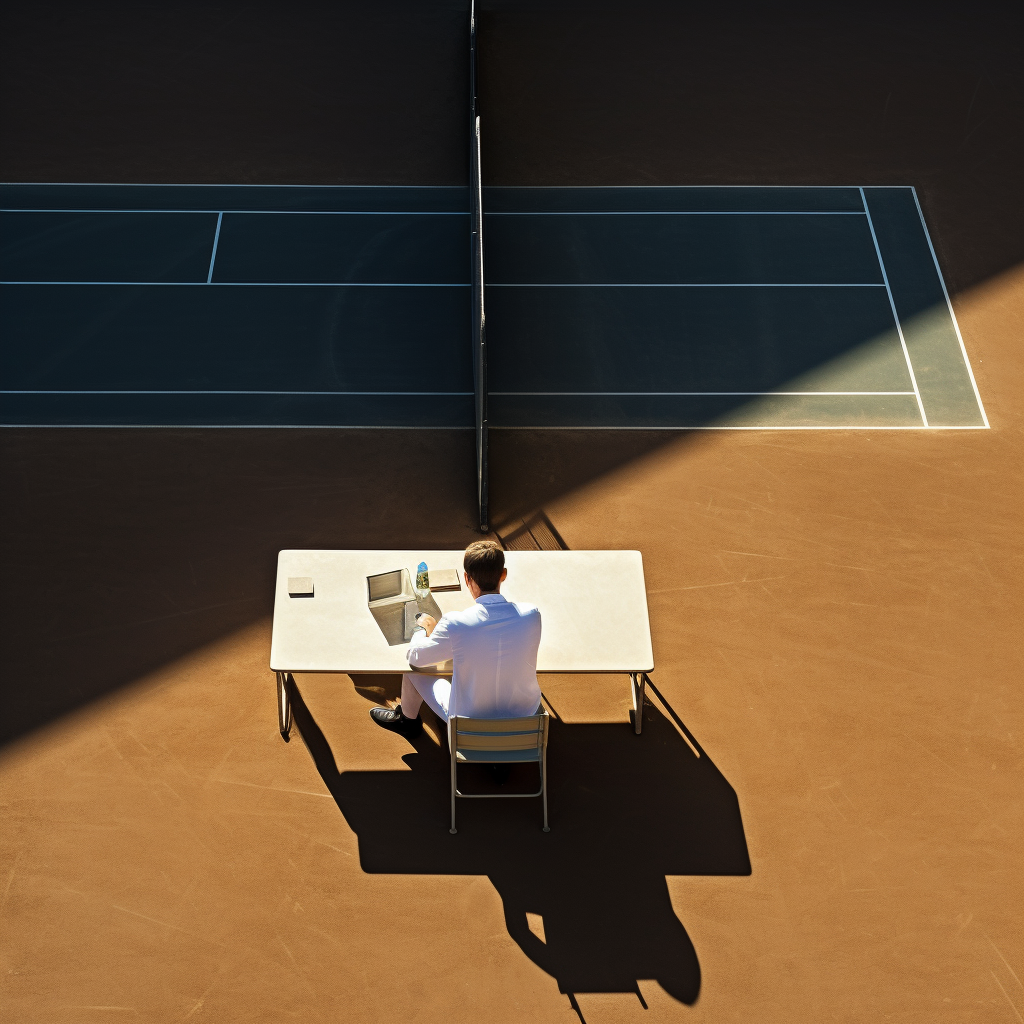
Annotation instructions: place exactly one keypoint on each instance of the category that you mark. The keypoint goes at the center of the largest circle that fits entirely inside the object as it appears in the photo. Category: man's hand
(428, 622)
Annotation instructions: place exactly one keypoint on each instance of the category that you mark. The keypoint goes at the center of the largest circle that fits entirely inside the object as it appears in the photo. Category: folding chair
(499, 741)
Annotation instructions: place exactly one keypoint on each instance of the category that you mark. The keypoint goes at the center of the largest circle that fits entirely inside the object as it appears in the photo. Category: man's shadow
(626, 811)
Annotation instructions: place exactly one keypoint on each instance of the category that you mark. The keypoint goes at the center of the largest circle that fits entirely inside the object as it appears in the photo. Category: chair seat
(497, 756)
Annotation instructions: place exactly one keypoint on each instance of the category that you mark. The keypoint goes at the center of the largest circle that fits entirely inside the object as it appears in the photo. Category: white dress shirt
(493, 650)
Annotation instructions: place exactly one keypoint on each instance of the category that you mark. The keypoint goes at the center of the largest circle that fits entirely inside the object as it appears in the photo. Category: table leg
(638, 687)
(284, 706)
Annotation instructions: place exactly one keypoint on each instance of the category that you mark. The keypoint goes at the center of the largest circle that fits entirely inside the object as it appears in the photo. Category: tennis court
(722, 251)
(608, 307)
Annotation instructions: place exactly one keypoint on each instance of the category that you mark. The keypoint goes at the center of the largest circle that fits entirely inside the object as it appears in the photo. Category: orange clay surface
(836, 619)
(836, 615)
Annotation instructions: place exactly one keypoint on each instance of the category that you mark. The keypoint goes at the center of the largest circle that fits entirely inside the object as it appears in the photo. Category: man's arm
(430, 650)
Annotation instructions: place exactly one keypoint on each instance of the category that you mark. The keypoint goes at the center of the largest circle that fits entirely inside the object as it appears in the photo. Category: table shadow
(626, 811)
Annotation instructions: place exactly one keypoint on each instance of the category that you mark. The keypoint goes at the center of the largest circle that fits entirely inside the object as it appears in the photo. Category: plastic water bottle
(422, 587)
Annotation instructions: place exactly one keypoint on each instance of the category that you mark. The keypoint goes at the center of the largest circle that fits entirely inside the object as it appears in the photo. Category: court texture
(606, 307)
(754, 299)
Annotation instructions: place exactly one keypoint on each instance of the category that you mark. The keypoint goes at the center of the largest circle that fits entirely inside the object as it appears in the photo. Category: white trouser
(418, 687)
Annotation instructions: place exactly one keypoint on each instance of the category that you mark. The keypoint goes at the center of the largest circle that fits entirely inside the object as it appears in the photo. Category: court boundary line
(297, 213)
(675, 213)
(454, 213)
(838, 187)
(372, 394)
(216, 184)
(365, 426)
(675, 394)
(421, 284)
(492, 394)
(707, 284)
(916, 426)
(220, 426)
(952, 314)
(892, 305)
(243, 284)
(221, 184)
(216, 240)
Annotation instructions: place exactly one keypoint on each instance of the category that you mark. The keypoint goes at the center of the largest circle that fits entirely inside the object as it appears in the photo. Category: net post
(479, 335)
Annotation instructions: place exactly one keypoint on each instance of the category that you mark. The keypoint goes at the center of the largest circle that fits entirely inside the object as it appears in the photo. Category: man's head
(485, 566)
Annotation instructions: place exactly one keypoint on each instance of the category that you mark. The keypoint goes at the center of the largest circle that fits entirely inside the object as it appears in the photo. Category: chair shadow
(626, 811)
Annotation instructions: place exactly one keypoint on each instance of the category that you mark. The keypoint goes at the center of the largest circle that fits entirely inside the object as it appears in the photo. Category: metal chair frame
(527, 736)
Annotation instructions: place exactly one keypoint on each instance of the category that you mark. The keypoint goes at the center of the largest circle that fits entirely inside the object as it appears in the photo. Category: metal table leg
(638, 687)
(284, 706)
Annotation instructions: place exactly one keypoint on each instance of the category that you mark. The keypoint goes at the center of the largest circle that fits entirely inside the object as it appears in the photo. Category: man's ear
(504, 573)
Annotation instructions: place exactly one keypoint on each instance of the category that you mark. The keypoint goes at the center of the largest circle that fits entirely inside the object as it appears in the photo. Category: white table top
(593, 605)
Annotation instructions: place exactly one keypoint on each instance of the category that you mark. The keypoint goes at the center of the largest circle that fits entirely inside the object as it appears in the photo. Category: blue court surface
(662, 307)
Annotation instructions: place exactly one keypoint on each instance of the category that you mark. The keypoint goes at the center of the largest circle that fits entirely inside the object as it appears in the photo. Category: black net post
(479, 336)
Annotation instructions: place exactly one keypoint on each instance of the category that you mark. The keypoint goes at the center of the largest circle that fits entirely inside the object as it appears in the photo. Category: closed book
(444, 579)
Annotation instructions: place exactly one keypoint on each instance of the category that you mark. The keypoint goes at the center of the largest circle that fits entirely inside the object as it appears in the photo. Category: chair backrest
(508, 734)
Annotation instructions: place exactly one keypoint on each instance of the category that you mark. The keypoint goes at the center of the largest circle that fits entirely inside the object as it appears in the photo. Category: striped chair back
(511, 739)
(499, 741)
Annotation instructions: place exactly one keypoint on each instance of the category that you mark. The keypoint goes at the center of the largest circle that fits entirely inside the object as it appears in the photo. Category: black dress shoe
(395, 721)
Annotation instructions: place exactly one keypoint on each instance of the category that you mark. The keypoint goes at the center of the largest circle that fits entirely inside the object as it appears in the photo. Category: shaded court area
(835, 612)
(236, 306)
(607, 307)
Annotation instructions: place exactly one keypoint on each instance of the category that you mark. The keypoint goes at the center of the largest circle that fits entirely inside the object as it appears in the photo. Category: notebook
(444, 579)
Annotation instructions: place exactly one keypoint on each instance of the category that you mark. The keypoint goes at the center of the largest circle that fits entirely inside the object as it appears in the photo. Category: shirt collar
(490, 599)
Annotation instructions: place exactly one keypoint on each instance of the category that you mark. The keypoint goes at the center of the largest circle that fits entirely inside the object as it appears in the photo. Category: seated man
(492, 646)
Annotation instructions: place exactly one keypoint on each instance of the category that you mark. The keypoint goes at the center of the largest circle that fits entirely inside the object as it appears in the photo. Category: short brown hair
(484, 562)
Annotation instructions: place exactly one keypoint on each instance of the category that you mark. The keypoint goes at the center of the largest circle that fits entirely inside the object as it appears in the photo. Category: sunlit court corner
(708, 320)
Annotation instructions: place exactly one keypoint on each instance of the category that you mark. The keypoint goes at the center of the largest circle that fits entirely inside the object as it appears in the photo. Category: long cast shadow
(626, 811)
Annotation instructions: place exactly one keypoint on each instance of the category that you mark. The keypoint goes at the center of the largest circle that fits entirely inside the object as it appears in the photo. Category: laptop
(394, 605)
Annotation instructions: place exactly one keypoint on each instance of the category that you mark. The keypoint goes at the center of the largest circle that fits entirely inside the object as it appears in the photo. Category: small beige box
(300, 586)
(444, 579)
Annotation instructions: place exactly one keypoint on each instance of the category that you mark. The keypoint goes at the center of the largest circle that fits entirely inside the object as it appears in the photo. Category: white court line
(248, 284)
(765, 427)
(675, 213)
(653, 188)
(852, 426)
(674, 394)
(436, 394)
(892, 304)
(198, 184)
(949, 306)
(216, 240)
(457, 213)
(297, 213)
(410, 284)
(503, 394)
(369, 426)
(752, 284)
(220, 426)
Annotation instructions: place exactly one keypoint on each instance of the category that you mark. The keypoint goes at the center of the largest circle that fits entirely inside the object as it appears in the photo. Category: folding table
(593, 606)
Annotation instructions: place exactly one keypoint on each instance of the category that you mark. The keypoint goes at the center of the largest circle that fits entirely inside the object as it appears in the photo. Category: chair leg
(453, 830)
(544, 786)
